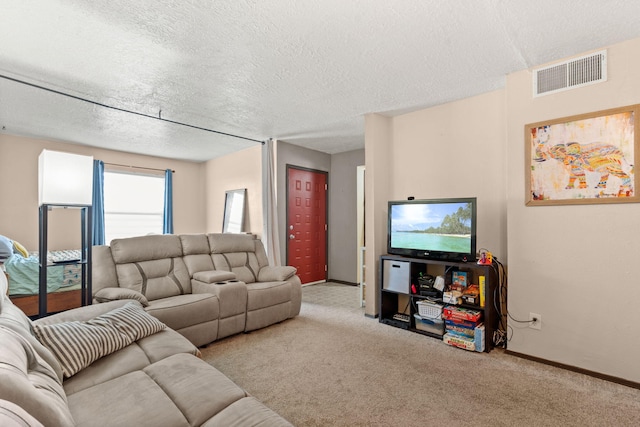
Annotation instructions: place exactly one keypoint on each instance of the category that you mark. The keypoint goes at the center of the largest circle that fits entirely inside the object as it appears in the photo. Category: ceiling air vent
(578, 72)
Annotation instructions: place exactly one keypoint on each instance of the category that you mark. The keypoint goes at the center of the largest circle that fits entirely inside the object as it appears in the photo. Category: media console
(400, 292)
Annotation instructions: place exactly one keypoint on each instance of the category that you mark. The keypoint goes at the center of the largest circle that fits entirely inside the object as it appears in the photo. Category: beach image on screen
(436, 227)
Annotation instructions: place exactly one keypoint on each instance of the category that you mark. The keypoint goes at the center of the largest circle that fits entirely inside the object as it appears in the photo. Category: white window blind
(133, 204)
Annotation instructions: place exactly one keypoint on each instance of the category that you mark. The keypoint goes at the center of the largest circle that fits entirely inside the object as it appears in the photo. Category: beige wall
(456, 150)
(343, 233)
(453, 150)
(574, 265)
(19, 191)
(378, 139)
(242, 169)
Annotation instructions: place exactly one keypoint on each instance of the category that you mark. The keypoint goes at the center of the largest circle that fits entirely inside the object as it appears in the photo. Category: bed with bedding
(64, 280)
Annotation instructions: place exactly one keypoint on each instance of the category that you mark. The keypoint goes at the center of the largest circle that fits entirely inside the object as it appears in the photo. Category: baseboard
(594, 374)
(342, 282)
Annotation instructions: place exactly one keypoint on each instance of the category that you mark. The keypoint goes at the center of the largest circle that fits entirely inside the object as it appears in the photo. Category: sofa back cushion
(235, 253)
(103, 269)
(151, 265)
(11, 415)
(196, 253)
(29, 381)
(11, 317)
(155, 279)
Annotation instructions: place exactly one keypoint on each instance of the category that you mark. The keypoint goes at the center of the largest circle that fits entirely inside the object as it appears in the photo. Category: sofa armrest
(113, 294)
(276, 273)
(213, 276)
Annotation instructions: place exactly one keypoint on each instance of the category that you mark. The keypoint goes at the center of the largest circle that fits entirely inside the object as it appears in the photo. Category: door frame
(326, 214)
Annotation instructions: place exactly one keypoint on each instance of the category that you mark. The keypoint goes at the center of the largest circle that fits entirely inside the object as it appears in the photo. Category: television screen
(433, 228)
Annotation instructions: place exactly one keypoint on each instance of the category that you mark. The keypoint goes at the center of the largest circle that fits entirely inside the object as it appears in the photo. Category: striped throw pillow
(134, 322)
(77, 344)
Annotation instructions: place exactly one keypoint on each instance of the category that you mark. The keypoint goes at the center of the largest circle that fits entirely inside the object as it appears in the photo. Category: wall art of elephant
(599, 158)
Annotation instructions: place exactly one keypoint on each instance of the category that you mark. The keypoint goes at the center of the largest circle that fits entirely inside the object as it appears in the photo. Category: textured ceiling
(300, 71)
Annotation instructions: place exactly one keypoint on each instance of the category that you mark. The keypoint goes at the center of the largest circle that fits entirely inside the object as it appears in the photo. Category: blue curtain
(167, 222)
(98, 203)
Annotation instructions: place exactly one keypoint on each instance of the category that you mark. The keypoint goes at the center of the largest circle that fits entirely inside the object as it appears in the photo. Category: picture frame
(583, 159)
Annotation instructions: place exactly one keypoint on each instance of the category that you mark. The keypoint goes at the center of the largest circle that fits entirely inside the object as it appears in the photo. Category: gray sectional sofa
(131, 358)
(154, 380)
(204, 286)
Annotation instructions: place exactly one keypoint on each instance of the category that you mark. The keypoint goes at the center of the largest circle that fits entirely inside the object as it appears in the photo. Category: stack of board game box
(464, 328)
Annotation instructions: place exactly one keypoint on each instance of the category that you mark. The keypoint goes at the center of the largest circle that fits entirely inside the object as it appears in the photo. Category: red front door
(307, 223)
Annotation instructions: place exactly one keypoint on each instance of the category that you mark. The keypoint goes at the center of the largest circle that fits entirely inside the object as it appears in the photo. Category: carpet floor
(332, 366)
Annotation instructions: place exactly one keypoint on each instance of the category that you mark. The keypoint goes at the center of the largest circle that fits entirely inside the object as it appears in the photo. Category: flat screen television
(443, 229)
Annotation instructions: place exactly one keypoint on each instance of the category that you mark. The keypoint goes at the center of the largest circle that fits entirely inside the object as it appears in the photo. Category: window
(133, 204)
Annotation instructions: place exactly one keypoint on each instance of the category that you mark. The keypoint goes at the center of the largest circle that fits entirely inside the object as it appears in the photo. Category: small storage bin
(434, 326)
(429, 310)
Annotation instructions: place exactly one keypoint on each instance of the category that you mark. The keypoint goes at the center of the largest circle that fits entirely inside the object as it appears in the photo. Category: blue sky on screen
(411, 216)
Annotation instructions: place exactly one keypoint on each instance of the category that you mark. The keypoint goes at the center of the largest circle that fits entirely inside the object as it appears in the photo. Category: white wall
(574, 265)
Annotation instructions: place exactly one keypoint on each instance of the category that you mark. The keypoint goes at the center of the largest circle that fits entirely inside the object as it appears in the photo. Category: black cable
(504, 288)
(406, 306)
(128, 111)
(502, 335)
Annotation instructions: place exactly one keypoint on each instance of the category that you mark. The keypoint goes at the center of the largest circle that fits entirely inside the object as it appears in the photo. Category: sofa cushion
(11, 415)
(182, 311)
(144, 248)
(247, 412)
(197, 388)
(132, 399)
(113, 294)
(155, 279)
(267, 294)
(133, 357)
(103, 269)
(28, 381)
(193, 244)
(180, 390)
(221, 243)
(196, 253)
(77, 344)
(13, 318)
(243, 264)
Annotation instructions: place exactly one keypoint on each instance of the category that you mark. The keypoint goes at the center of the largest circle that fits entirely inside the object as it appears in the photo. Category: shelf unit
(398, 273)
(85, 254)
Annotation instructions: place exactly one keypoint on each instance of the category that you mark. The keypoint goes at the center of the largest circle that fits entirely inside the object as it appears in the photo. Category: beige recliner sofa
(204, 286)
(153, 378)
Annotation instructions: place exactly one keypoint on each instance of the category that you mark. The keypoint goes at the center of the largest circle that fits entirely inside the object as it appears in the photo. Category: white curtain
(270, 232)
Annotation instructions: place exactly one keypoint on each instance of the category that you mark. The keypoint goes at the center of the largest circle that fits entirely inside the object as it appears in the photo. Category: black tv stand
(398, 273)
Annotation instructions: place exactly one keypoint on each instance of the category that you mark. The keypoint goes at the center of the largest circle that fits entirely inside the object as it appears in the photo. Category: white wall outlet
(535, 321)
